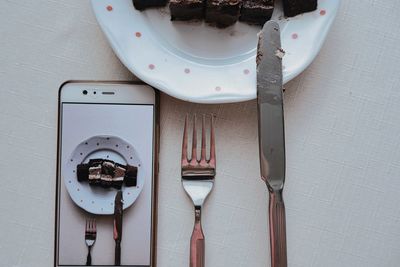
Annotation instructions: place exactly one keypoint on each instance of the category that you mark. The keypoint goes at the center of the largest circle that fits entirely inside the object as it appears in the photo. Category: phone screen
(96, 138)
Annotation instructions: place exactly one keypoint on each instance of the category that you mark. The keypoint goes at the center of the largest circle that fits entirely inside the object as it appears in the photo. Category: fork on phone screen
(90, 238)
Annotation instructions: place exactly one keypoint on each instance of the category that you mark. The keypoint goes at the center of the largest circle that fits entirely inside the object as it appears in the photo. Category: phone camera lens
(84, 92)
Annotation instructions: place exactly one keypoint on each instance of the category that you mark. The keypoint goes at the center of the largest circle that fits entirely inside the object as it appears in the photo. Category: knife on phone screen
(272, 135)
(118, 204)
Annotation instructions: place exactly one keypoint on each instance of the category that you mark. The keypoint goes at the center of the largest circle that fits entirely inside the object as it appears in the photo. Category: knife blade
(118, 210)
(272, 135)
(270, 104)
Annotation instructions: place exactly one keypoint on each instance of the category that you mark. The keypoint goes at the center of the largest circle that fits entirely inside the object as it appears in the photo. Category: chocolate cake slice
(222, 13)
(95, 171)
(107, 173)
(143, 4)
(95, 162)
(119, 175)
(95, 175)
(293, 8)
(82, 172)
(256, 11)
(187, 9)
(130, 176)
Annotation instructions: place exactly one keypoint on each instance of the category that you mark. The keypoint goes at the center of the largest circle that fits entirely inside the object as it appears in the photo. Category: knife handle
(197, 245)
(117, 253)
(277, 229)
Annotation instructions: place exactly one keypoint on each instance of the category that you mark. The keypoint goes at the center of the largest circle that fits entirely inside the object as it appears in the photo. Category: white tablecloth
(343, 149)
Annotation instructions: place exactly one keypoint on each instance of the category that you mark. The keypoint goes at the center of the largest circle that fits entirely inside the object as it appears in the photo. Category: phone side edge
(56, 207)
(156, 169)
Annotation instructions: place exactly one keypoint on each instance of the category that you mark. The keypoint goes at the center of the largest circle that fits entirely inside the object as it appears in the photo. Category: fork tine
(94, 225)
(212, 160)
(86, 226)
(203, 140)
(193, 161)
(184, 160)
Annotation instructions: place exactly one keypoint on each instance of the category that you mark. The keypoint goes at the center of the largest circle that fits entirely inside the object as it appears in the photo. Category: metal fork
(198, 180)
(90, 237)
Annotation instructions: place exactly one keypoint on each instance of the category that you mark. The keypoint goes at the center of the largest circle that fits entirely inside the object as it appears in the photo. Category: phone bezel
(152, 96)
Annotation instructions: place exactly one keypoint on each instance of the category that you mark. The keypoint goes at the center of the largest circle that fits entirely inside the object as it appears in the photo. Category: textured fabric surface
(343, 149)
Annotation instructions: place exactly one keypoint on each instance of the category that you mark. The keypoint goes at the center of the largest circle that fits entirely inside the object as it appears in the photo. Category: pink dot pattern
(187, 70)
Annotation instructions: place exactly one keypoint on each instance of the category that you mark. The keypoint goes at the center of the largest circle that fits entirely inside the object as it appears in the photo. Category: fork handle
(89, 259)
(277, 229)
(197, 245)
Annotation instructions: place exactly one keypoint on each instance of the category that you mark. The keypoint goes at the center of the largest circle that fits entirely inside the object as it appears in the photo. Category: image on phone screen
(106, 150)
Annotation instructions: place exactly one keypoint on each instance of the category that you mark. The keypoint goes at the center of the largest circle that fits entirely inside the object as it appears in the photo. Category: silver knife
(118, 211)
(272, 135)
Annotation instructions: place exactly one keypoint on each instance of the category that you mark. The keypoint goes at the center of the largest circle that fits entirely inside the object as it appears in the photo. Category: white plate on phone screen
(95, 199)
(200, 63)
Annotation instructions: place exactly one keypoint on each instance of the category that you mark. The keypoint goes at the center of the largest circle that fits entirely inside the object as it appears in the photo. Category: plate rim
(163, 86)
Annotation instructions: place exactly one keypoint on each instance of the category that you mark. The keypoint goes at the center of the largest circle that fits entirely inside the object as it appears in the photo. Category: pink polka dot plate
(199, 63)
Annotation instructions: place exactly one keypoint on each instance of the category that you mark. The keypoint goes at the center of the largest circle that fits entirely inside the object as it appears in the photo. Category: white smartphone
(107, 146)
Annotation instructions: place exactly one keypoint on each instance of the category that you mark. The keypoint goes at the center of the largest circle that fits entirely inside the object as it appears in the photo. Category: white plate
(99, 200)
(199, 63)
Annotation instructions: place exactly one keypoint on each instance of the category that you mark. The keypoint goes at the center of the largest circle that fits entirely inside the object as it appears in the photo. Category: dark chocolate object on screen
(256, 11)
(187, 9)
(107, 173)
(130, 176)
(117, 184)
(119, 175)
(293, 8)
(143, 4)
(95, 174)
(108, 167)
(95, 162)
(222, 13)
(82, 172)
(95, 171)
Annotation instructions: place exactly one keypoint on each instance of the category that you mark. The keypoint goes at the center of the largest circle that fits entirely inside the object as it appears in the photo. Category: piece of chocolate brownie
(187, 9)
(119, 175)
(143, 4)
(107, 173)
(130, 178)
(256, 11)
(222, 13)
(95, 162)
(82, 172)
(293, 8)
(95, 175)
